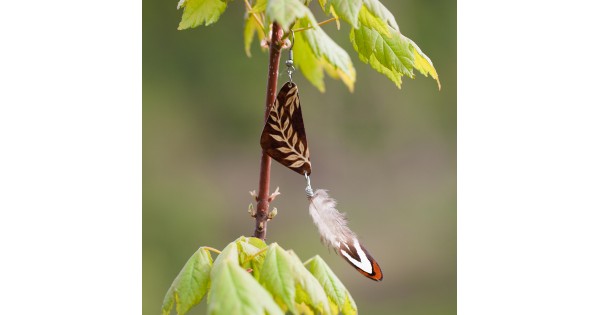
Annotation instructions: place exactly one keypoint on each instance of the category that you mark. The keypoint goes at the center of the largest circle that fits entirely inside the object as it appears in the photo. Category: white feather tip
(334, 230)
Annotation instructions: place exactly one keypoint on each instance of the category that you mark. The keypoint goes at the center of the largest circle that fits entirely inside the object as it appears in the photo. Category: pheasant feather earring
(284, 139)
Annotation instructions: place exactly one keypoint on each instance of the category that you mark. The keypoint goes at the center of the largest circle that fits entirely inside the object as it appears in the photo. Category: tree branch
(262, 202)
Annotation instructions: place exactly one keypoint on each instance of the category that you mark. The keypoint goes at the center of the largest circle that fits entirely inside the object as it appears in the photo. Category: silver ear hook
(290, 62)
(308, 190)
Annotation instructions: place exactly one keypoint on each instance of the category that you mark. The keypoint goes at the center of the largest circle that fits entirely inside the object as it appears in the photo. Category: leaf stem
(249, 258)
(214, 250)
(262, 200)
(249, 9)
(302, 29)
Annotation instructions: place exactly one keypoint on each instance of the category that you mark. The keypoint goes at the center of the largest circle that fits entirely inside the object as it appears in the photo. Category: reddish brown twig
(262, 204)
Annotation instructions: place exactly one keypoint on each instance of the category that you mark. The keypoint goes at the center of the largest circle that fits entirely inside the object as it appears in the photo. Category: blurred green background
(387, 155)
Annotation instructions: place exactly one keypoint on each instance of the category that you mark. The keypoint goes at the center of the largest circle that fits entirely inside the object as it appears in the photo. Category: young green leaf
(348, 10)
(392, 54)
(367, 18)
(328, 9)
(234, 290)
(325, 6)
(337, 73)
(251, 254)
(249, 246)
(308, 63)
(285, 12)
(327, 52)
(290, 283)
(252, 25)
(192, 283)
(310, 292)
(259, 6)
(257, 242)
(423, 63)
(335, 290)
(380, 11)
(199, 12)
(279, 280)
(249, 29)
(237, 292)
(323, 46)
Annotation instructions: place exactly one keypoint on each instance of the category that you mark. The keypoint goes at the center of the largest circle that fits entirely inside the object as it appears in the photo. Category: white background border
(528, 157)
(70, 157)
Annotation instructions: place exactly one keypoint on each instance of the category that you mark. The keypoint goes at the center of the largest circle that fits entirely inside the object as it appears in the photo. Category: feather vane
(334, 230)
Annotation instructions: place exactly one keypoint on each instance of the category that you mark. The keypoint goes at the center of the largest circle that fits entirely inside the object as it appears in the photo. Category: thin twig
(249, 8)
(302, 29)
(262, 200)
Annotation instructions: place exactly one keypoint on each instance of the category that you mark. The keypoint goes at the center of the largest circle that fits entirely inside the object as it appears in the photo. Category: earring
(284, 139)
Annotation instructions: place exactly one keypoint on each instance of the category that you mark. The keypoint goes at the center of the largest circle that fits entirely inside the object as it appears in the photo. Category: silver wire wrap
(308, 189)
(289, 63)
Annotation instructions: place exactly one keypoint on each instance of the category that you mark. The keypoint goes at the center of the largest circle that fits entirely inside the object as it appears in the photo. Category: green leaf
(190, 286)
(259, 6)
(328, 9)
(325, 5)
(323, 46)
(251, 25)
(308, 63)
(310, 291)
(335, 290)
(234, 290)
(286, 12)
(199, 12)
(252, 254)
(279, 280)
(367, 18)
(348, 10)
(290, 283)
(287, 284)
(257, 242)
(337, 73)
(423, 63)
(390, 53)
(380, 11)
(331, 56)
